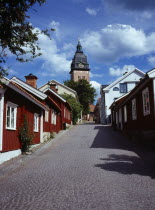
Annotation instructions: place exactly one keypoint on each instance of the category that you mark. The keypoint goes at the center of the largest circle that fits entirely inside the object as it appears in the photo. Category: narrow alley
(90, 167)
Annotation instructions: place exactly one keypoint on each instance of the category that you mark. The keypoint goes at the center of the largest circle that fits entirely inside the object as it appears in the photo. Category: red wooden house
(15, 102)
(46, 112)
(64, 115)
(59, 111)
(134, 113)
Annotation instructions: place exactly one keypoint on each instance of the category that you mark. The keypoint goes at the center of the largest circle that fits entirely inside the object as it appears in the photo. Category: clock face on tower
(80, 65)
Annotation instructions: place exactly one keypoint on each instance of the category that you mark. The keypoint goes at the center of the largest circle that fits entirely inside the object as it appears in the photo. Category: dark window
(115, 89)
(123, 87)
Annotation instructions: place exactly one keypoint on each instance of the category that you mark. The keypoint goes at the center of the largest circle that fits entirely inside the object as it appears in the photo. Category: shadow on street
(143, 163)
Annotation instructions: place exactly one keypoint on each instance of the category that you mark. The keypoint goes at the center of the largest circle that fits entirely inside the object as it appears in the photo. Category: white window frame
(9, 117)
(36, 122)
(125, 114)
(146, 99)
(53, 119)
(46, 116)
(134, 110)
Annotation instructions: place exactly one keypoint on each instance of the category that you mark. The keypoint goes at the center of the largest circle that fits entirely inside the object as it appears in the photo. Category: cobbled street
(89, 167)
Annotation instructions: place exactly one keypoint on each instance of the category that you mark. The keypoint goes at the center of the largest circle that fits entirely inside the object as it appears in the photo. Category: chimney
(54, 87)
(31, 80)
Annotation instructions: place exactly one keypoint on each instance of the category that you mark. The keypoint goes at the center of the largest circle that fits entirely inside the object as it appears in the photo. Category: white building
(111, 92)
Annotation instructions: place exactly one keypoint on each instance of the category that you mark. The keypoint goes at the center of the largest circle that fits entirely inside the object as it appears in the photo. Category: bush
(25, 136)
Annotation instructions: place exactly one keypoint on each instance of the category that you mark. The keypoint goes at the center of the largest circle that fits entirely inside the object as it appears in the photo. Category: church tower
(79, 66)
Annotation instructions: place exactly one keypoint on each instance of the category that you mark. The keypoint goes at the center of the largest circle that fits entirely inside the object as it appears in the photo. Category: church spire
(79, 48)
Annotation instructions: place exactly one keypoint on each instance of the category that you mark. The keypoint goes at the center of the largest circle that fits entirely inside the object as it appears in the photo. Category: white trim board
(54, 94)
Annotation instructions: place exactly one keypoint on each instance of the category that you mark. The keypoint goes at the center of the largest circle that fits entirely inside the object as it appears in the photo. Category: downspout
(154, 95)
(1, 119)
(41, 128)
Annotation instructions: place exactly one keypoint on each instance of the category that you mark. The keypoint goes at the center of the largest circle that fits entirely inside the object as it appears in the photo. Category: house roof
(62, 85)
(57, 95)
(131, 94)
(151, 73)
(123, 77)
(26, 94)
(118, 100)
(29, 88)
(54, 103)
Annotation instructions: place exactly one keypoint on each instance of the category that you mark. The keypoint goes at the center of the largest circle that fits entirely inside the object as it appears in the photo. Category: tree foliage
(75, 105)
(85, 91)
(17, 34)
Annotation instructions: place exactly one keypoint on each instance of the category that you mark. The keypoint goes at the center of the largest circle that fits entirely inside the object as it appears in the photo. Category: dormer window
(123, 87)
(115, 89)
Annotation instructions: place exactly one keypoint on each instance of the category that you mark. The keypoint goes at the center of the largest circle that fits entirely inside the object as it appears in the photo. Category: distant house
(59, 87)
(134, 113)
(65, 110)
(59, 114)
(111, 92)
(97, 111)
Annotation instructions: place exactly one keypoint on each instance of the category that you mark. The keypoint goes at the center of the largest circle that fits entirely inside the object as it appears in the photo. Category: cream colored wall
(62, 90)
(75, 75)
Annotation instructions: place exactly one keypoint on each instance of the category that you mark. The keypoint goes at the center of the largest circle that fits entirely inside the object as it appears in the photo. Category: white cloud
(117, 41)
(56, 25)
(54, 59)
(97, 86)
(115, 71)
(92, 12)
(151, 60)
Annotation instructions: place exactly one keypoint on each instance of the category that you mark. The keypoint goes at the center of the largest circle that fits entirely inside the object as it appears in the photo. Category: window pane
(8, 117)
(12, 117)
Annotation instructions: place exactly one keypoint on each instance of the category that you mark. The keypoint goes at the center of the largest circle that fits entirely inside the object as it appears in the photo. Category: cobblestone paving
(90, 167)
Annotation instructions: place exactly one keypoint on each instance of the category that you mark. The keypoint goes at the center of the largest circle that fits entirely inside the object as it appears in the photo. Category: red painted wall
(142, 123)
(25, 107)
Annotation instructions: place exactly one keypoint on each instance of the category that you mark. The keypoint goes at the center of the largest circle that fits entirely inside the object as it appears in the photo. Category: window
(46, 116)
(11, 115)
(79, 77)
(123, 87)
(83, 77)
(146, 101)
(134, 111)
(125, 114)
(36, 122)
(53, 120)
(115, 89)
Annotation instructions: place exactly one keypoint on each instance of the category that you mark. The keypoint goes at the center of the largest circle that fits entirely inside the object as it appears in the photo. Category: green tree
(86, 93)
(17, 34)
(75, 105)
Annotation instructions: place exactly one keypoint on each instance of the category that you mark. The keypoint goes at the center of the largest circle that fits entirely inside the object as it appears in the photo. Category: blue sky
(116, 35)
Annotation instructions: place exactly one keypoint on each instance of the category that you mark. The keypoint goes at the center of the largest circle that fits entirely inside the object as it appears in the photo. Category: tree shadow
(142, 163)
(125, 164)
(108, 138)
